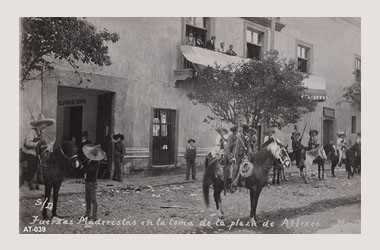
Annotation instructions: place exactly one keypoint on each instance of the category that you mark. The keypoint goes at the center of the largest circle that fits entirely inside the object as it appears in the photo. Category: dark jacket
(119, 151)
(91, 169)
(81, 156)
(210, 45)
(199, 43)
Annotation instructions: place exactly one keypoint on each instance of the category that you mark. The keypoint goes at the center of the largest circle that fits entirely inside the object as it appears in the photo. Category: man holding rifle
(33, 146)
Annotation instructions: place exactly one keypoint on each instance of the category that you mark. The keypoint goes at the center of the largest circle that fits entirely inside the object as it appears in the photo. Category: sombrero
(41, 119)
(313, 132)
(119, 135)
(250, 129)
(94, 152)
(341, 133)
(296, 133)
(220, 129)
(191, 139)
(272, 130)
(244, 126)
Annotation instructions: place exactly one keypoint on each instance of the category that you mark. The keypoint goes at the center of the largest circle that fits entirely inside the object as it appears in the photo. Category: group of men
(35, 148)
(210, 44)
(234, 146)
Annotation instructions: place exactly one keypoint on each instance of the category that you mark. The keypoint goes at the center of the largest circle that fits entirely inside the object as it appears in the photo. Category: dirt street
(328, 206)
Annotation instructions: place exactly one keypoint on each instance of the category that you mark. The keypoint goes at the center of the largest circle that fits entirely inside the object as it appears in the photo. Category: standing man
(199, 42)
(119, 151)
(210, 44)
(33, 145)
(342, 146)
(94, 154)
(82, 143)
(190, 155)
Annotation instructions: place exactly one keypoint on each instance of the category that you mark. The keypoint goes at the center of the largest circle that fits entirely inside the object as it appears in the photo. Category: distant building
(143, 96)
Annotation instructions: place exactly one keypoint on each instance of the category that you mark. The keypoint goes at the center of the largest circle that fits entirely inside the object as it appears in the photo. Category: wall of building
(335, 43)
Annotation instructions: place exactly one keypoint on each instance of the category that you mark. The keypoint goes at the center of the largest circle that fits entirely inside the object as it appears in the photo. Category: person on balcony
(190, 39)
(222, 49)
(231, 51)
(199, 42)
(210, 44)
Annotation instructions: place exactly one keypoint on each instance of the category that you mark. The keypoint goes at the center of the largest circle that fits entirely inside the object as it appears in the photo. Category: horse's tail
(207, 179)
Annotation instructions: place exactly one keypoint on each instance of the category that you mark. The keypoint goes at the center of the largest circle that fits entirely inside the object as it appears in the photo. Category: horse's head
(67, 155)
(280, 153)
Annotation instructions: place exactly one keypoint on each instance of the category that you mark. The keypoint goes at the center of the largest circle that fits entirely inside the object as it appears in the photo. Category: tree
(46, 40)
(352, 94)
(258, 92)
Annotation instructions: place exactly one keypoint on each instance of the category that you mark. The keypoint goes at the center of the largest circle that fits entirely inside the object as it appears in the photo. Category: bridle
(67, 158)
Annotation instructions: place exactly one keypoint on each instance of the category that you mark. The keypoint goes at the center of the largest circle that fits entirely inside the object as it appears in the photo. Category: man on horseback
(220, 142)
(235, 150)
(297, 147)
(313, 141)
(33, 147)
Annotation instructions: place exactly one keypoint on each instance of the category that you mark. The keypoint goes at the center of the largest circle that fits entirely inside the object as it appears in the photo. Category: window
(353, 125)
(164, 135)
(303, 54)
(358, 69)
(254, 41)
(197, 25)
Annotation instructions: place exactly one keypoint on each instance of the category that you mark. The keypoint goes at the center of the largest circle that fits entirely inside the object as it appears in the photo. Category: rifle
(38, 149)
(303, 132)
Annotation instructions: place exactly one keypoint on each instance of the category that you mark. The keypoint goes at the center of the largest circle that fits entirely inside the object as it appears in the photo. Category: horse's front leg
(274, 175)
(218, 187)
(47, 199)
(254, 195)
(323, 169)
(55, 198)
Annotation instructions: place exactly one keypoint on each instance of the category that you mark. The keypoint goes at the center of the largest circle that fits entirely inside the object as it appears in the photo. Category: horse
(310, 156)
(331, 151)
(55, 166)
(279, 169)
(279, 172)
(352, 161)
(262, 162)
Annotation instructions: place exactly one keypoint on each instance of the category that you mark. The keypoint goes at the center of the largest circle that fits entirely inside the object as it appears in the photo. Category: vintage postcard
(190, 125)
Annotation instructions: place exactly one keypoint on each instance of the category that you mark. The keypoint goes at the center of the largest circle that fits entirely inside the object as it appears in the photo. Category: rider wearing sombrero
(235, 150)
(33, 146)
(313, 141)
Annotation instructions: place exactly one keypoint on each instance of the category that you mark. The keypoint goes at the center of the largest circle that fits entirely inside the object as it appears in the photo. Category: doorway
(104, 128)
(72, 124)
(328, 131)
(164, 137)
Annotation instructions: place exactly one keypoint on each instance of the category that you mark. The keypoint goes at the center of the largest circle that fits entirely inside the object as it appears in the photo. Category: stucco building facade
(142, 94)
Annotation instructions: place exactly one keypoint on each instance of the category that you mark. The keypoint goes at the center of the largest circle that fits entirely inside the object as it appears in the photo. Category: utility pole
(272, 31)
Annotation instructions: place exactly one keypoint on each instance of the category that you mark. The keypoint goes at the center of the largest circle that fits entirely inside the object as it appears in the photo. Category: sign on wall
(72, 102)
(328, 112)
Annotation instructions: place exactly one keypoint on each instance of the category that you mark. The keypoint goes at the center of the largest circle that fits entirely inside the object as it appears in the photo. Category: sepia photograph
(189, 125)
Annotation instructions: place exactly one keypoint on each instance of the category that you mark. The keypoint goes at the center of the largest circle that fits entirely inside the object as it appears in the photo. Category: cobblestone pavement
(168, 204)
